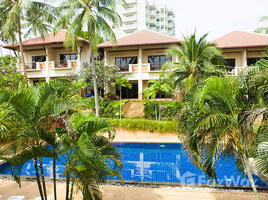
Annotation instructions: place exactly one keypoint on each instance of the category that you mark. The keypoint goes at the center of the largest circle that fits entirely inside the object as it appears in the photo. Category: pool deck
(123, 135)
(30, 191)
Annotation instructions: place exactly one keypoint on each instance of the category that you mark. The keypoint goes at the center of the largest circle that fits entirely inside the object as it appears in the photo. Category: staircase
(134, 110)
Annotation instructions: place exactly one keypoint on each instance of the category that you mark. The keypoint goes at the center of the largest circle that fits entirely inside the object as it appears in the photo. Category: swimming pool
(161, 163)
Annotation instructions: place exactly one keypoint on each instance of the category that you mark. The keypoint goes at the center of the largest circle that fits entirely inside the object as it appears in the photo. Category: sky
(218, 17)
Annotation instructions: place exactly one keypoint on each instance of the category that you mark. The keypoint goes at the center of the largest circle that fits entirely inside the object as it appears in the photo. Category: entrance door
(129, 93)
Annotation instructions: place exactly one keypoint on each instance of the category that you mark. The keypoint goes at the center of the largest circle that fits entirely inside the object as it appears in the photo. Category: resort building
(142, 14)
(48, 59)
(241, 49)
(140, 57)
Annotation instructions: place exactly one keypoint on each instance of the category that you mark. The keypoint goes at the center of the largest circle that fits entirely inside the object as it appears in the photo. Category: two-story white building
(48, 59)
(140, 57)
(241, 49)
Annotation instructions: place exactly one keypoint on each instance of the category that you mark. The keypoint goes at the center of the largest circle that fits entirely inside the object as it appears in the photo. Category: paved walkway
(30, 191)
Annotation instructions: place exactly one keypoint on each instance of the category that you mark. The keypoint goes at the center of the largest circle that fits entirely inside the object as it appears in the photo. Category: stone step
(134, 110)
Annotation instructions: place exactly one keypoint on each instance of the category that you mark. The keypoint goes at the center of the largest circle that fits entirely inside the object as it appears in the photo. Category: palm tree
(37, 16)
(36, 112)
(157, 87)
(197, 60)
(121, 82)
(214, 124)
(89, 15)
(90, 159)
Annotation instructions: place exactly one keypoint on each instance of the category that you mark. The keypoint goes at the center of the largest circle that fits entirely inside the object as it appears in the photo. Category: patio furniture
(16, 198)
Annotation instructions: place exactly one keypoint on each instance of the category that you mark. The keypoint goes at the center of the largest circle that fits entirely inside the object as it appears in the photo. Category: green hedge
(145, 124)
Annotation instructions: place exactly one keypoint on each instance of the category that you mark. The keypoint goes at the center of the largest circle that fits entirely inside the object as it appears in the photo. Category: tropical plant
(90, 16)
(214, 125)
(157, 87)
(106, 73)
(90, 159)
(197, 59)
(36, 15)
(36, 112)
(121, 82)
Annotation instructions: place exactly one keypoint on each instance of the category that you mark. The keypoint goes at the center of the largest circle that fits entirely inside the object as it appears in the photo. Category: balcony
(152, 21)
(171, 12)
(129, 10)
(129, 19)
(152, 13)
(129, 27)
(49, 69)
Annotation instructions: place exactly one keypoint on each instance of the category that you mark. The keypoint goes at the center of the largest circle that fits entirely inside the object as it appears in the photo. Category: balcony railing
(51, 65)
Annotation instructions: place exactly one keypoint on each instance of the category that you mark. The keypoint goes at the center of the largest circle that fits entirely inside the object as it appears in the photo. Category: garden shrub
(169, 110)
(149, 109)
(107, 108)
(145, 124)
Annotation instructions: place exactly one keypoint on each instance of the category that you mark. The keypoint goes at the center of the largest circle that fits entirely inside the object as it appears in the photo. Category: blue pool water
(158, 162)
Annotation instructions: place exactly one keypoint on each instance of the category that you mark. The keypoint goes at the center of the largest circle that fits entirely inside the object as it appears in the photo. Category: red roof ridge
(239, 39)
(51, 38)
(143, 37)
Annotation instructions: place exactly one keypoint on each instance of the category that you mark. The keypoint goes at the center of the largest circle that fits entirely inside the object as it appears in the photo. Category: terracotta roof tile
(49, 39)
(238, 39)
(144, 37)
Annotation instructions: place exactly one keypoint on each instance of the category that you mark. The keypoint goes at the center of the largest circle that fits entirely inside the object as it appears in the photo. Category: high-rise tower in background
(142, 14)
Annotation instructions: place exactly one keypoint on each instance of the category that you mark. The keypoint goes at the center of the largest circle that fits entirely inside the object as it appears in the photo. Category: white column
(47, 67)
(244, 58)
(105, 57)
(78, 60)
(140, 74)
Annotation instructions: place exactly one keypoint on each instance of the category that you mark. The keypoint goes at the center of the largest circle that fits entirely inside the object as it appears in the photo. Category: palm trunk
(72, 189)
(94, 75)
(21, 49)
(120, 102)
(155, 109)
(43, 178)
(67, 183)
(248, 172)
(160, 107)
(38, 178)
(54, 178)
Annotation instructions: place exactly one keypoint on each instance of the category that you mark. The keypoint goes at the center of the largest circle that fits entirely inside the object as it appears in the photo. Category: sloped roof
(238, 39)
(144, 37)
(49, 39)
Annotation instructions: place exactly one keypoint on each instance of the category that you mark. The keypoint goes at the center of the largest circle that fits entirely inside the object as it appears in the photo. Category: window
(156, 62)
(123, 63)
(36, 59)
(230, 63)
(65, 57)
(129, 16)
(129, 32)
(252, 61)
